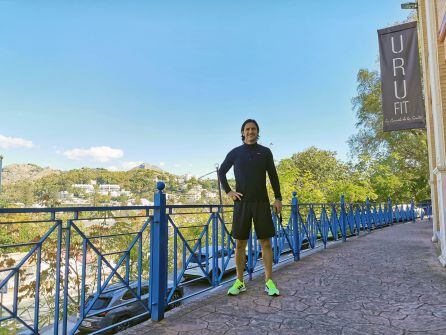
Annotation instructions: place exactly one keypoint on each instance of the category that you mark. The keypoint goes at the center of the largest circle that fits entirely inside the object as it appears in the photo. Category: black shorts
(245, 213)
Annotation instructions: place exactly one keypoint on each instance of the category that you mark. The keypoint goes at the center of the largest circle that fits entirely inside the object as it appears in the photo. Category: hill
(146, 166)
(30, 172)
(30, 185)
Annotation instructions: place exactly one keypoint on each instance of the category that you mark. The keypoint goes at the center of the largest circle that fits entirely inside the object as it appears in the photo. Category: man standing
(251, 162)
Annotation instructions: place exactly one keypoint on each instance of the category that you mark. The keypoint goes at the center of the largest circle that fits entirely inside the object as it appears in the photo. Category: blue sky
(112, 83)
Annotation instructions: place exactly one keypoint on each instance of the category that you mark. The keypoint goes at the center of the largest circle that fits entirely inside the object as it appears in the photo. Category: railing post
(412, 210)
(295, 218)
(343, 218)
(358, 219)
(381, 215)
(369, 216)
(66, 274)
(324, 226)
(390, 211)
(275, 244)
(351, 219)
(312, 227)
(215, 249)
(58, 277)
(334, 221)
(158, 256)
(250, 255)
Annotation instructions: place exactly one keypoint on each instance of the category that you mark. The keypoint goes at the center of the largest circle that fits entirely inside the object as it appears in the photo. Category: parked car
(194, 270)
(118, 297)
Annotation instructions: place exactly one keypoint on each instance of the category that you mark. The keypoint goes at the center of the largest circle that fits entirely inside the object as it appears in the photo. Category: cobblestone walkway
(385, 282)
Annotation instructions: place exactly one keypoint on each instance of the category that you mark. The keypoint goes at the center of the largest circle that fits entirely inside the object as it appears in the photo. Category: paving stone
(236, 322)
(440, 311)
(218, 327)
(187, 325)
(196, 313)
(343, 306)
(377, 320)
(384, 282)
(289, 305)
(325, 320)
(421, 322)
(320, 329)
(218, 318)
(266, 301)
(361, 329)
(299, 325)
(153, 331)
(432, 332)
(394, 315)
(245, 330)
(264, 325)
(201, 332)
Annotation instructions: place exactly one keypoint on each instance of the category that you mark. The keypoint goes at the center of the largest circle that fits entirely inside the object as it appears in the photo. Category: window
(101, 303)
(129, 295)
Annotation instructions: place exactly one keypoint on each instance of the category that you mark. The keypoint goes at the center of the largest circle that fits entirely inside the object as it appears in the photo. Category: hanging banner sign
(402, 100)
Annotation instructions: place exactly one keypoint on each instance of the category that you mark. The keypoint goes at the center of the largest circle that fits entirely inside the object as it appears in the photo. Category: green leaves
(396, 163)
(318, 176)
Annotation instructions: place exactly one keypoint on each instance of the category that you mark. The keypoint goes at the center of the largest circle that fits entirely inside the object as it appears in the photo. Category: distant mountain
(20, 172)
(146, 166)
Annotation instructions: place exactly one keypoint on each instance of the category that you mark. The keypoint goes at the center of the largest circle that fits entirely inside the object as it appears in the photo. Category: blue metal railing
(77, 256)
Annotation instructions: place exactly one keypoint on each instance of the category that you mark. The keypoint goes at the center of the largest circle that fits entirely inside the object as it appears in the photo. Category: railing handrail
(27, 210)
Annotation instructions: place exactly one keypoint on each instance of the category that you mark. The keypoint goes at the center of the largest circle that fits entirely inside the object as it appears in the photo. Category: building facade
(432, 34)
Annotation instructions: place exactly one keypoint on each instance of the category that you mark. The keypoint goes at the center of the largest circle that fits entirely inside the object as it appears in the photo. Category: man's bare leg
(240, 257)
(267, 256)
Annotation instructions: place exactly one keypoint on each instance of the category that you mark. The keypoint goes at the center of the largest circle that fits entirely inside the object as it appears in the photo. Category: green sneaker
(271, 289)
(237, 288)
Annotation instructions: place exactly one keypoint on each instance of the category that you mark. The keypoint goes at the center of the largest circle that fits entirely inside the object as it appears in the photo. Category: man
(251, 162)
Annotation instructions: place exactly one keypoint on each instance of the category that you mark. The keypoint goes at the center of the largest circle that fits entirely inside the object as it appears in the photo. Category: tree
(395, 162)
(318, 176)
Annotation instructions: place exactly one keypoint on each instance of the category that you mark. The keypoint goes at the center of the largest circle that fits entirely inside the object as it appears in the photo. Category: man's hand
(234, 195)
(277, 206)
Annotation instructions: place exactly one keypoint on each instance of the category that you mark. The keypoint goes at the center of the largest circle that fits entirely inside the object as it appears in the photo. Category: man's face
(250, 132)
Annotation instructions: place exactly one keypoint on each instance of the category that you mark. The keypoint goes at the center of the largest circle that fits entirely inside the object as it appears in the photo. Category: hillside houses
(99, 187)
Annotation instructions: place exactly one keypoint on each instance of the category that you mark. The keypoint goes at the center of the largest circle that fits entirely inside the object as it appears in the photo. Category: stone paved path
(385, 282)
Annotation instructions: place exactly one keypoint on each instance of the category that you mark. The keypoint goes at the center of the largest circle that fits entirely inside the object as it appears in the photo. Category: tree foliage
(318, 176)
(396, 163)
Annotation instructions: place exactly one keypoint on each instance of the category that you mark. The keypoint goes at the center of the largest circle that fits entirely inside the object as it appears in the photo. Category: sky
(115, 83)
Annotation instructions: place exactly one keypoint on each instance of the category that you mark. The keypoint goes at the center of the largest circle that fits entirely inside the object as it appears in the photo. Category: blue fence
(105, 268)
